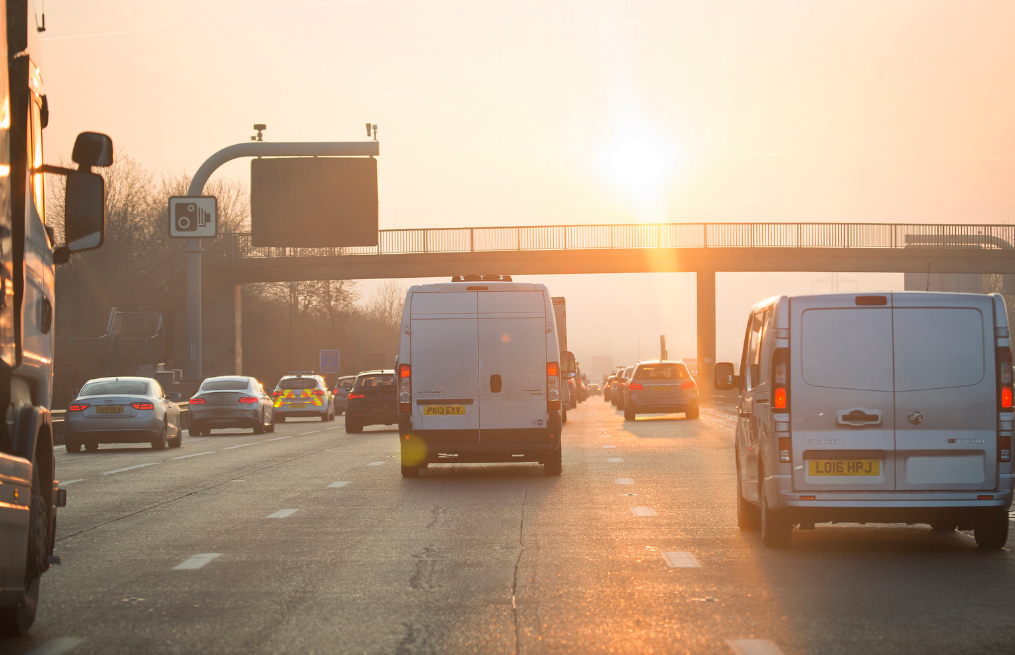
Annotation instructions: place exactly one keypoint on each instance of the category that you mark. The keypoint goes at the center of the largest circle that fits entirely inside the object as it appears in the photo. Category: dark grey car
(660, 387)
(231, 401)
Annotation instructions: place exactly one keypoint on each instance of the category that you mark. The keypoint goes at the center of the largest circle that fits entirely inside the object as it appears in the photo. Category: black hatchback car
(372, 401)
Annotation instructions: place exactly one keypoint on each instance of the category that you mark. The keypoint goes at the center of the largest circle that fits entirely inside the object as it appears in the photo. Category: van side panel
(946, 413)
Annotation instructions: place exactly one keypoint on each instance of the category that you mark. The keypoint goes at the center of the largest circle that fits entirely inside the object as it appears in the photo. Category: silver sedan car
(123, 410)
(660, 387)
(231, 401)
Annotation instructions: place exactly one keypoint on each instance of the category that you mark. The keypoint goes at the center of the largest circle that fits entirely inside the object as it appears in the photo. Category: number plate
(444, 410)
(115, 409)
(297, 405)
(865, 467)
(663, 387)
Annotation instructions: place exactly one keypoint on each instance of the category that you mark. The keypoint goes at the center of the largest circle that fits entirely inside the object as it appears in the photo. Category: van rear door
(445, 365)
(842, 393)
(945, 392)
(512, 364)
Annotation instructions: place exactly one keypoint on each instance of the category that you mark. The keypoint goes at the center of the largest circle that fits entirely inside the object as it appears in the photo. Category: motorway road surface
(308, 541)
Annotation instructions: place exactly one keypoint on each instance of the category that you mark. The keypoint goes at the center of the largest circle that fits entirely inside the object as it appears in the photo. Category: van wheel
(776, 530)
(629, 414)
(553, 464)
(991, 531)
(410, 471)
(748, 516)
(692, 411)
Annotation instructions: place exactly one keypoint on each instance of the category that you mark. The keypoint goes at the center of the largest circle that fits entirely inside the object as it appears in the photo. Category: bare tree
(385, 305)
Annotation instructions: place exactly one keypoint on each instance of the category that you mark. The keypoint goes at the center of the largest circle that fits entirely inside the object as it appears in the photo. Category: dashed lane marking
(338, 484)
(375, 463)
(337, 427)
(288, 436)
(753, 647)
(129, 468)
(55, 647)
(282, 513)
(681, 560)
(643, 511)
(196, 562)
(207, 452)
(67, 482)
(614, 460)
(311, 432)
(60, 448)
(242, 445)
(604, 436)
(624, 481)
(609, 446)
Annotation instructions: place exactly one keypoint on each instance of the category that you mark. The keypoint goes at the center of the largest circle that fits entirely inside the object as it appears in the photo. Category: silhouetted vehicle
(341, 392)
(660, 387)
(371, 401)
(231, 401)
(123, 410)
(608, 388)
(621, 386)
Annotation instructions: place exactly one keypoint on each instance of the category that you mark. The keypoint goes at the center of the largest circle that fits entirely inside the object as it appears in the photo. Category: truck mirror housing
(724, 378)
(93, 149)
(85, 207)
(567, 364)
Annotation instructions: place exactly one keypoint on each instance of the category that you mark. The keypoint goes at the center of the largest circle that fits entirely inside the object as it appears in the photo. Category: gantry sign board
(331, 361)
(192, 218)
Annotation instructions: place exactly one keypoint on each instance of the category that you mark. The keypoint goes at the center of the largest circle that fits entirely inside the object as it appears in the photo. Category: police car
(303, 394)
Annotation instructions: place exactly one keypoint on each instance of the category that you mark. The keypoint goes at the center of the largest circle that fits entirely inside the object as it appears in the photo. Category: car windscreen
(298, 383)
(228, 384)
(115, 387)
(375, 381)
(661, 372)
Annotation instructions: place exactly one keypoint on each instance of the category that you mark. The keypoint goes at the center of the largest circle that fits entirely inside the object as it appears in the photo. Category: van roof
(457, 287)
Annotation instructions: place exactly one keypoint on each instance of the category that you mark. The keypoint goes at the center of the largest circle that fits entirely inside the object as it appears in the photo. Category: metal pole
(251, 149)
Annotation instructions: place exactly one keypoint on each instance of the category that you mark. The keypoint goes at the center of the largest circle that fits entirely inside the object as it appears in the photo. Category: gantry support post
(706, 332)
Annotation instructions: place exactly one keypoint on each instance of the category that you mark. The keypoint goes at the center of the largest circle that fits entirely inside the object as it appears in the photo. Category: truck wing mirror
(568, 367)
(85, 211)
(92, 149)
(724, 378)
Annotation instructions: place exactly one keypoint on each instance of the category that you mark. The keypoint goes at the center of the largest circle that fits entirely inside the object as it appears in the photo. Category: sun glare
(641, 164)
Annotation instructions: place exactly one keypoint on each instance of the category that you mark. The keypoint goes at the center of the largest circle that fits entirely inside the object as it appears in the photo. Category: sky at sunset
(582, 111)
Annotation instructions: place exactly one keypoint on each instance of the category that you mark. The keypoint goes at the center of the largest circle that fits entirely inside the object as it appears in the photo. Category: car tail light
(246, 400)
(552, 386)
(690, 384)
(780, 379)
(318, 392)
(78, 407)
(276, 394)
(635, 386)
(354, 396)
(1004, 449)
(404, 389)
(142, 406)
(785, 454)
(197, 401)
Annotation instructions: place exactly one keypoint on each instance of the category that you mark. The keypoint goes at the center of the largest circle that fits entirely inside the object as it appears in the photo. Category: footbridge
(702, 248)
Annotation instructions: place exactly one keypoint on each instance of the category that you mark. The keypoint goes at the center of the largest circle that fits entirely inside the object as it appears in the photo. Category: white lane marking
(282, 513)
(753, 647)
(643, 511)
(60, 448)
(615, 460)
(311, 432)
(207, 452)
(129, 468)
(681, 560)
(375, 463)
(604, 436)
(338, 484)
(624, 481)
(196, 562)
(337, 427)
(242, 445)
(55, 647)
(609, 446)
(67, 482)
(288, 436)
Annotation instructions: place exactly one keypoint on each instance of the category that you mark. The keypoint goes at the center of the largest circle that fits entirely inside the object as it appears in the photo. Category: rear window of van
(847, 348)
(938, 347)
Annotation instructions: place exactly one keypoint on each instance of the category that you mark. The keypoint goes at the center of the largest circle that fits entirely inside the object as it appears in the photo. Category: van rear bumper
(886, 502)
(506, 445)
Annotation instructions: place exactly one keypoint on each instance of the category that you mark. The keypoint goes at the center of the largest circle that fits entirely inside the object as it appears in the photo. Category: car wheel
(991, 531)
(748, 516)
(692, 411)
(271, 425)
(352, 426)
(92, 446)
(177, 441)
(159, 442)
(259, 426)
(629, 414)
(410, 471)
(776, 530)
(73, 446)
(553, 465)
(194, 430)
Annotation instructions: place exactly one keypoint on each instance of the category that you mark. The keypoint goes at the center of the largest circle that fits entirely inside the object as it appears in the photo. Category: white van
(876, 408)
(479, 374)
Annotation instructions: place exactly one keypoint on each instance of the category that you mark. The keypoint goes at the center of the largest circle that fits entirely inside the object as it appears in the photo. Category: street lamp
(293, 298)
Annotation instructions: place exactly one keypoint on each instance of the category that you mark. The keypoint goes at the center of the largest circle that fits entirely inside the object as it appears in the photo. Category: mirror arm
(61, 255)
(55, 170)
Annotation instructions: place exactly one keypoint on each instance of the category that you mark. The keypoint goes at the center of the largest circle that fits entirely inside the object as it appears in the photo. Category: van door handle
(495, 383)
(858, 416)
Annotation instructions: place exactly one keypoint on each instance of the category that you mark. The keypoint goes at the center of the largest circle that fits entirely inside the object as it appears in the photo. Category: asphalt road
(308, 541)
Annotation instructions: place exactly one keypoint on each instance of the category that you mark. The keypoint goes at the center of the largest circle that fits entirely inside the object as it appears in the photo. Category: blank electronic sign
(313, 201)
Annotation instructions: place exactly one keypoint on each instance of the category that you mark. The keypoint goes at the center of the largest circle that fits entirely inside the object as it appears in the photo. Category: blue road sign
(331, 361)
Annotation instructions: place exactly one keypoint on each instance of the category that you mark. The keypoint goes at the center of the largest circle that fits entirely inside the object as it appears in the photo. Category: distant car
(594, 389)
(660, 387)
(341, 392)
(608, 388)
(303, 394)
(123, 410)
(621, 385)
(231, 401)
(372, 401)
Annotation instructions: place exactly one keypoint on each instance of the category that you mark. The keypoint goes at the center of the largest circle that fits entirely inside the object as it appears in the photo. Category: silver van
(875, 408)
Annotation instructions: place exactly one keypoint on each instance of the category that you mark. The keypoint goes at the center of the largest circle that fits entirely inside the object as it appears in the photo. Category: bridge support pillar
(223, 330)
(706, 332)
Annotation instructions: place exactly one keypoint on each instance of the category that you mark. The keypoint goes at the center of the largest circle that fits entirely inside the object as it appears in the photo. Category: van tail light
(197, 401)
(78, 407)
(1004, 449)
(142, 405)
(635, 386)
(690, 384)
(246, 400)
(552, 386)
(1004, 379)
(785, 450)
(780, 379)
(404, 389)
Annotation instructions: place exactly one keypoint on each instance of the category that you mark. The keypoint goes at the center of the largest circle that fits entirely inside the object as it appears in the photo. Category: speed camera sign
(192, 218)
